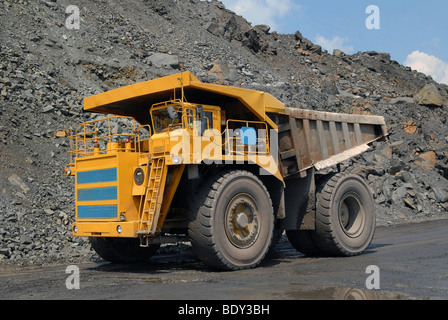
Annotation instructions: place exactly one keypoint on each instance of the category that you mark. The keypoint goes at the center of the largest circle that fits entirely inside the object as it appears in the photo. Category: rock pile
(46, 69)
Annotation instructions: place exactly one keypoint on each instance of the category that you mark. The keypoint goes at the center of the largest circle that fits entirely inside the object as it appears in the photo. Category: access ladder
(152, 200)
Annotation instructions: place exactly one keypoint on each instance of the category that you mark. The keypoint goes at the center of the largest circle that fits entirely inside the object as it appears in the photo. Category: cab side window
(209, 116)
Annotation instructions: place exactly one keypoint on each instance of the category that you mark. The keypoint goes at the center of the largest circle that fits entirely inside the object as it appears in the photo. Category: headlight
(139, 176)
(176, 160)
(75, 229)
(119, 229)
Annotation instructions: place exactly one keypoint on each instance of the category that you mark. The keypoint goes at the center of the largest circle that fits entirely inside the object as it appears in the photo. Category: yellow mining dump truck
(230, 168)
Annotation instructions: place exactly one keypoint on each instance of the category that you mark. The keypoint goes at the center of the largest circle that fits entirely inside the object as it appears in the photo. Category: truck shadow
(185, 260)
(159, 263)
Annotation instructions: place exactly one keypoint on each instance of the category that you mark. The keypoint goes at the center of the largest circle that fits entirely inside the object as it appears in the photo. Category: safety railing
(107, 136)
(246, 138)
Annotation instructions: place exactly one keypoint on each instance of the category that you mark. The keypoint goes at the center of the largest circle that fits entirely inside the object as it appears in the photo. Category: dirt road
(411, 263)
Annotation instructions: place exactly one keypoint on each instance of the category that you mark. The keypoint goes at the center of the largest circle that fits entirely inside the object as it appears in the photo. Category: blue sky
(415, 33)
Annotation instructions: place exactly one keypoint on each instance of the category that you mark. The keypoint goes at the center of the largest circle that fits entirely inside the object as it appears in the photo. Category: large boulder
(163, 60)
(429, 96)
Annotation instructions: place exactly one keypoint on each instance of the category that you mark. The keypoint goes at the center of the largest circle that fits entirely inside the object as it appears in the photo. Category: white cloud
(262, 11)
(335, 43)
(428, 64)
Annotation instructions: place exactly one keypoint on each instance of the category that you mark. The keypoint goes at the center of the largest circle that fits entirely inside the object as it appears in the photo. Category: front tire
(232, 221)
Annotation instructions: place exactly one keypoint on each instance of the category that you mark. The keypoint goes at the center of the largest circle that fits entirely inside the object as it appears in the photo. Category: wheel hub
(345, 215)
(241, 221)
(351, 215)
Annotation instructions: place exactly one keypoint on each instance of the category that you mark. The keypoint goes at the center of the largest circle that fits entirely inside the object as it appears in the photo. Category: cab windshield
(167, 119)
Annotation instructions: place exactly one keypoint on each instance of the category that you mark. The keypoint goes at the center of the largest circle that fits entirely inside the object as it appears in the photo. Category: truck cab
(182, 131)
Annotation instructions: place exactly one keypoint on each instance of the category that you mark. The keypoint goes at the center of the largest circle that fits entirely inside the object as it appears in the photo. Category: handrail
(90, 142)
(234, 145)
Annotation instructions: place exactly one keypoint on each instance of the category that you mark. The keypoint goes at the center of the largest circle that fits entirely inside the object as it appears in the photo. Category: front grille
(97, 176)
(98, 212)
(95, 197)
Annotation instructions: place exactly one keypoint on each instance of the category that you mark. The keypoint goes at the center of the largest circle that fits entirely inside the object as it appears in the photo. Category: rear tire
(122, 250)
(232, 221)
(345, 219)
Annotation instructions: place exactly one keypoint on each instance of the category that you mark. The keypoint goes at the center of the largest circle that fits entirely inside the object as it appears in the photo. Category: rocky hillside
(46, 69)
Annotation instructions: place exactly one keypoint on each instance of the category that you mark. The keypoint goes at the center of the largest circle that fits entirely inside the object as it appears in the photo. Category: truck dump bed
(323, 139)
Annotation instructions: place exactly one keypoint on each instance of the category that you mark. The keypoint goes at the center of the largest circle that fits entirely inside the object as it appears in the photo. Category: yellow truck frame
(232, 170)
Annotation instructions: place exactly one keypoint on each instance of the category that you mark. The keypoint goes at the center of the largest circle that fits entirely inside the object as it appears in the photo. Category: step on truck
(229, 168)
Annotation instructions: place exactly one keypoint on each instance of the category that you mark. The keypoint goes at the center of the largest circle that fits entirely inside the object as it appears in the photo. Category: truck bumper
(105, 229)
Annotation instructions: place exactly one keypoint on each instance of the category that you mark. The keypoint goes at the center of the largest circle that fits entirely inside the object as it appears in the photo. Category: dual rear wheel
(345, 219)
